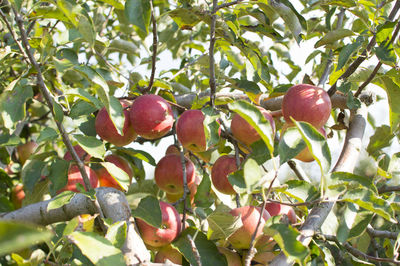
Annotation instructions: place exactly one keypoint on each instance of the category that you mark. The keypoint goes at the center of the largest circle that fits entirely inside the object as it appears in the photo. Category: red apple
(106, 179)
(168, 253)
(17, 195)
(275, 209)
(192, 188)
(172, 149)
(222, 167)
(74, 177)
(168, 173)
(190, 130)
(106, 129)
(151, 116)
(307, 103)
(82, 154)
(24, 151)
(244, 132)
(170, 228)
(232, 257)
(250, 215)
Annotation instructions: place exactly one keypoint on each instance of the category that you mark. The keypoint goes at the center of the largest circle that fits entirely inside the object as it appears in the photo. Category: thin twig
(212, 81)
(382, 234)
(298, 171)
(106, 21)
(306, 203)
(386, 189)
(155, 41)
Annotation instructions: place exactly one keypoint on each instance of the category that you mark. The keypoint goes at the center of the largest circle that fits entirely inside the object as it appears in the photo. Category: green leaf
(47, 134)
(300, 190)
(290, 144)
(185, 18)
(118, 174)
(236, 179)
(91, 145)
(149, 211)
(203, 198)
(222, 224)
(347, 51)
(16, 236)
(289, 17)
(353, 222)
(333, 36)
(382, 138)
(58, 112)
(286, 237)
(99, 250)
(211, 126)
(48, 12)
(115, 3)
(350, 181)
(249, 87)
(60, 200)
(116, 234)
(58, 175)
(80, 108)
(86, 29)
(123, 46)
(138, 13)
(9, 140)
(31, 173)
(256, 119)
(117, 114)
(386, 54)
(141, 155)
(209, 254)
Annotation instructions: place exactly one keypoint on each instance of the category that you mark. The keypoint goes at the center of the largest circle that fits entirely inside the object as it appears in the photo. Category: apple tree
(199, 132)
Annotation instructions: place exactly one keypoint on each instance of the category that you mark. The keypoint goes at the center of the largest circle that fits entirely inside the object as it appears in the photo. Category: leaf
(343, 3)
(149, 211)
(115, 3)
(203, 198)
(91, 145)
(185, 18)
(249, 87)
(254, 117)
(333, 36)
(47, 134)
(291, 143)
(138, 13)
(119, 175)
(300, 190)
(60, 200)
(386, 54)
(58, 112)
(209, 254)
(211, 126)
(289, 17)
(351, 181)
(116, 234)
(123, 46)
(31, 173)
(99, 250)
(347, 51)
(286, 237)
(222, 224)
(15, 236)
(80, 108)
(142, 155)
(86, 29)
(382, 138)
(58, 175)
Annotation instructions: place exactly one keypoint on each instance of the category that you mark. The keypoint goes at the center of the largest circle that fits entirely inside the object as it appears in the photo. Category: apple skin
(74, 177)
(275, 209)
(190, 130)
(168, 173)
(17, 195)
(151, 116)
(222, 167)
(232, 257)
(168, 253)
(307, 103)
(170, 228)
(250, 215)
(82, 154)
(305, 155)
(172, 149)
(106, 179)
(107, 131)
(24, 151)
(192, 188)
(244, 132)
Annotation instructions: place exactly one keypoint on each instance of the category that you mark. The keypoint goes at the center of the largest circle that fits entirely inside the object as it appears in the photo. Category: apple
(24, 151)
(232, 257)
(265, 244)
(305, 155)
(222, 167)
(275, 209)
(172, 149)
(192, 188)
(151, 116)
(82, 154)
(170, 227)
(307, 103)
(244, 132)
(106, 129)
(168, 253)
(106, 179)
(17, 195)
(250, 215)
(74, 177)
(190, 130)
(168, 173)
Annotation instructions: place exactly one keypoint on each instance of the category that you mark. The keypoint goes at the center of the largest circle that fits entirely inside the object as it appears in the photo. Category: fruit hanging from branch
(222, 167)
(75, 176)
(106, 179)
(190, 130)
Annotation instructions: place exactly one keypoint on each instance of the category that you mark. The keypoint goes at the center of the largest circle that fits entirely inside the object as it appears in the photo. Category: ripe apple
(232, 257)
(82, 154)
(190, 130)
(106, 179)
(170, 228)
(244, 132)
(106, 129)
(172, 149)
(24, 151)
(17, 195)
(168, 173)
(250, 215)
(305, 155)
(74, 177)
(151, 116)
(275, 209)
(168, 253)
(192, 188)
(222, 167)
(307, 103)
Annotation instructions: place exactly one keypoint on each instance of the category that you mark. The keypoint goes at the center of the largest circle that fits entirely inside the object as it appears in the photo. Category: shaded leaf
(60, 200)
(138, 13)
(223, 224)
(382, 138)
(91, 145)
(333, 36)
(149, 211)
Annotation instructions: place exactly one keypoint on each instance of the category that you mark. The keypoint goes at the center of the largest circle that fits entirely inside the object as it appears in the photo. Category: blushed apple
(24, 151)
(17, 195)
(106, 179)
(190, 130)
(75, 176)
(192, 188)
(151, 116)
(82, 154)
(275, 209)
(222, 167)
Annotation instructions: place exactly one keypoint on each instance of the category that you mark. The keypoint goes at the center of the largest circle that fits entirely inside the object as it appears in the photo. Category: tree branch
(382, 234)
(155, 43)
(212, 81)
